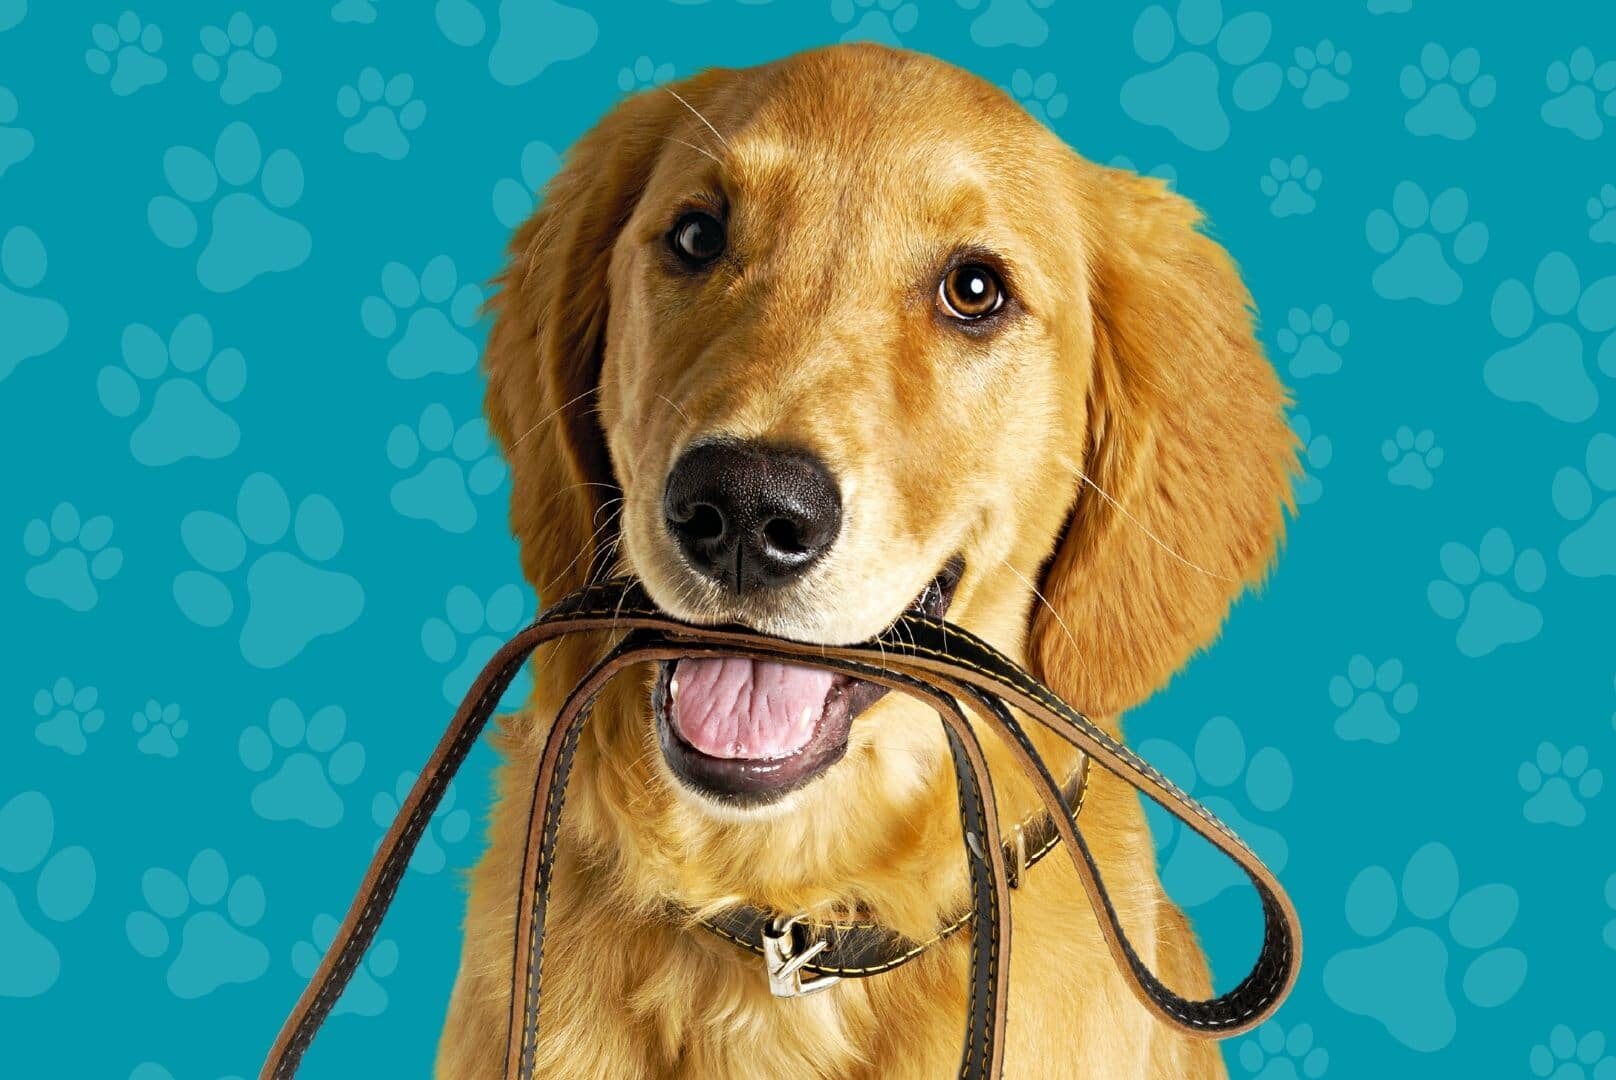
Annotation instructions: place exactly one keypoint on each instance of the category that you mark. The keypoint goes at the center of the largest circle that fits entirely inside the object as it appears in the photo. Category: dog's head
(808, 345)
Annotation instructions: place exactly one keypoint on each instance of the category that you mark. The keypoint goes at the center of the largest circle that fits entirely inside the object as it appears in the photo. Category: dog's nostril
(784, 537)
(704, 523)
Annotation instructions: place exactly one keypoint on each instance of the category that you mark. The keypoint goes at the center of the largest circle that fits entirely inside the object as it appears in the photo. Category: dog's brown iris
(970, 292)
(697, 237)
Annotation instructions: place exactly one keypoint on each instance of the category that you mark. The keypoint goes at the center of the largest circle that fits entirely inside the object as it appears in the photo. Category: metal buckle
(784, 962)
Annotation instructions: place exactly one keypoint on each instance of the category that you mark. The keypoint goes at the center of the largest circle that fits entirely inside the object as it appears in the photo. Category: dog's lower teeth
(673, 689)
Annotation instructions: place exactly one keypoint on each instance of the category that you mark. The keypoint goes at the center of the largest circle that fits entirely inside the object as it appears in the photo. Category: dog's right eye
(697, 238)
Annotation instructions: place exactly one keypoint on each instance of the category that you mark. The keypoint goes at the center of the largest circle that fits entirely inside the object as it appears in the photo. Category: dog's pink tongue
(740, 708)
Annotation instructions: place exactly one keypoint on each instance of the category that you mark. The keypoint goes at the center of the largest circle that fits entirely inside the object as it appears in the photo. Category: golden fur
(849, 173)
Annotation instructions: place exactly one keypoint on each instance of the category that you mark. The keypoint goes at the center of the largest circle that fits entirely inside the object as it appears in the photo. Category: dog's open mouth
(748, 731)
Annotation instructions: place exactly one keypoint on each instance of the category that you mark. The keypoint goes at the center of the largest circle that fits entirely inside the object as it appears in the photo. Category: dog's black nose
(750, 515)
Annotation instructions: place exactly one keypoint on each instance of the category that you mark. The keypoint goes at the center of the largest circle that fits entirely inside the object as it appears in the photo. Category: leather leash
(931, 660)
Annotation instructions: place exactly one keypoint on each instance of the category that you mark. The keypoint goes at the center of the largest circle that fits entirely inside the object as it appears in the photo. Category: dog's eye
(697, 238)
(970, 292)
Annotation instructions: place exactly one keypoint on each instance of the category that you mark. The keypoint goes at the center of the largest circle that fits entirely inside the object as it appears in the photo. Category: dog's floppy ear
(1188, 454)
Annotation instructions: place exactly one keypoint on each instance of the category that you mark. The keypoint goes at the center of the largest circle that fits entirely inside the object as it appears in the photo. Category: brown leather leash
(933, 661)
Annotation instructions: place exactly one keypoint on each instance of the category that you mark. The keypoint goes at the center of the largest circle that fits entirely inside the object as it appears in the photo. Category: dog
(804, 346)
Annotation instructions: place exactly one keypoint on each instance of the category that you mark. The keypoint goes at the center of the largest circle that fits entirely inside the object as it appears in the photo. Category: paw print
(1372, 699)
(1289, 186)
(16, 143)
(1311, 341)
(249, 236)
(1546, 369)
(1417, 265)
(458, 465)
(1234, 786)
(514, 199)
(1412, 458)
(364, 994)
(448, 826)
(531, 35)
(63, 883)
(183, 418)
(1320, 74)
(390, 110)
(1590, 550)
(1038, 95)
(34, 325)
(882, 21)
(126, 52)
(237, 57)
(643, 74)
(434, 340)
(1273, 1055)
(216, 948)
(1490, 614)
(474, 632)
(1401, 978)
(354, 11)
(11, 13)
(1008, 22)
(1610, 902)
(1601, 211)
(1566, 1057)
(66, 715)
(1444, 91)
(1582, 90)
(1558, 785)
(1183, 93)
(1160, 172)
(160, 727)
(289, 600)
(83, 556)
(1317, 453)
(314, 762)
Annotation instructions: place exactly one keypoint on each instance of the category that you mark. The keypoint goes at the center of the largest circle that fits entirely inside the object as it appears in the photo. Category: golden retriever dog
(801, 347)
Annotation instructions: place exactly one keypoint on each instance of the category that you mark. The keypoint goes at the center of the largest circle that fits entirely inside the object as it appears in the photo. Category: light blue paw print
(1490, 613)
(1238, 788)
(247, 235)
(1373, 701)
(67, 715)
(1602, 212)
(1546, 367)
(434, 340)
(1290, 185)
(1445, 92)
(183, 416)
(1311, 341)
(643, 74)
(150, 1070)
(1317, 453)
(1412, 458)
(34, 325)
(1040, 96)
(159, 729)
(882, 21)
(58, 885)
(448, 826)
(469, 635)
(1161, 172)
(237, 57)
(1320, 73)
(514, 198)
(1008, 22)
(1582, 89)
(1566, 1057)
(290, 601)
(448, 469)
(354, 11)
(1609, 933)
(1587, 498)
(307, 761)
(532, 35)
(1274, 1055)
(381, 114)
(127, 53)
(11, 13)
(16, 143)
(216, 948)
(1183, 92)
(364, 995)
(1557, 785)
(1401, 978)
(74, 556)
(1421, 239)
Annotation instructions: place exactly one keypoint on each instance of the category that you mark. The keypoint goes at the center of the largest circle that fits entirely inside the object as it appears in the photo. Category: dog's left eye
(697, 238)
(970, 292)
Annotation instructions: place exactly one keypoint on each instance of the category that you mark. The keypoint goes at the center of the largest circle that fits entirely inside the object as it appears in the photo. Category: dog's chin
(742, 735)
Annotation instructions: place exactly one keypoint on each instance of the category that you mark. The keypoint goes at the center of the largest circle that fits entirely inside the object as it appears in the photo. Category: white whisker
(698, 115)
(700, 150)
(551, 416)
(1159, 542)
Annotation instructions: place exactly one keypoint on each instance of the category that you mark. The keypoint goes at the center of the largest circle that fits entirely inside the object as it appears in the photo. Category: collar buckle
(784, 959)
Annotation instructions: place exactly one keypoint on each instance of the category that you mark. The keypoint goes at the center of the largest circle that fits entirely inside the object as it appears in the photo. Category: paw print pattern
(1412, 458)
(313, 762)
(1421, 239)
(37, 880)
(473, 631)
(237, 58)
(1290, 185)
(1601, 211)
(1546, 367)
(1008, 22)
(67, 714)
(1445, 92)
(1401, 979)
(159, 729)
(1610, 902)
(1274, 1055)
(1317, 453)
(1039, 96)
(34, 325)
(1490, 613)
(1373, 700)
(531, 35)
(382, 113)
(1311, 341)
(354, 11)
(1587, 498)
(447, 468)
(125, 54)
(882, 21)
(16, 142)
(1192, 54)
(1320, 73)
(643, 74)
(515, 197)
(448, 826)
(364, 994)
(11, 13)
(190, 383)
(290, 600)
(1566, 1057)
(1581, 91)
(434, 340)
(74, 557)
(1557, 785)
(216, 947)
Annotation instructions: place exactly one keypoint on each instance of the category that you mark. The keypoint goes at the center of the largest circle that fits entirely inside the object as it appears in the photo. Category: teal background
(278, 564)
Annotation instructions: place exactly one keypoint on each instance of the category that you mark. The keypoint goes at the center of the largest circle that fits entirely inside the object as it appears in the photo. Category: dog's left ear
(1188, 452)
